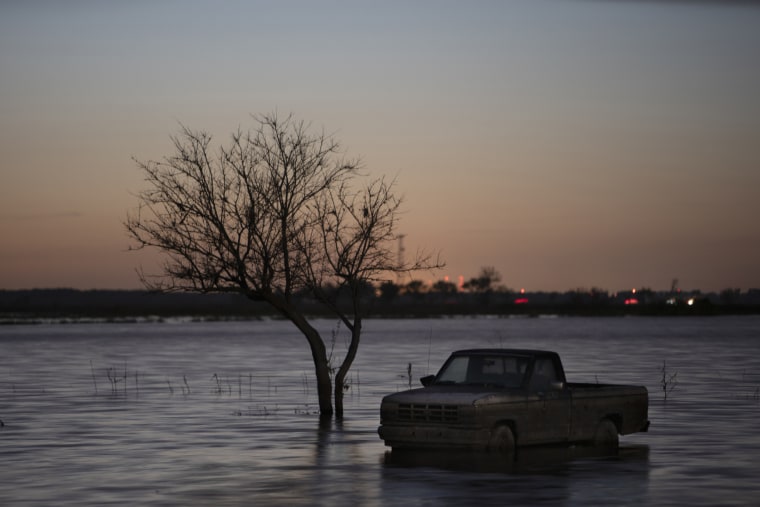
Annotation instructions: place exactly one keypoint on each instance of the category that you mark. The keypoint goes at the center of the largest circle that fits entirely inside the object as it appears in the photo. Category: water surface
(184, 413)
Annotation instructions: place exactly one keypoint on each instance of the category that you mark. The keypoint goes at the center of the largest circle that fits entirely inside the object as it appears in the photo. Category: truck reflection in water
(542, 459)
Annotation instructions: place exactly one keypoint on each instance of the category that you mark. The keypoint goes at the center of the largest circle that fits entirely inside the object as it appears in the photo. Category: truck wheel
(606, 434)
(502, 441)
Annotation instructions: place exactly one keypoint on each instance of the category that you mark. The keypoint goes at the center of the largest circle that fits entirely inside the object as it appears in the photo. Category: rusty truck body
(500, 399)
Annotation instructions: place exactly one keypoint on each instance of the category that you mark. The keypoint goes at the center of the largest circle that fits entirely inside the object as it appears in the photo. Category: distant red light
(521, 301)
(632, 301)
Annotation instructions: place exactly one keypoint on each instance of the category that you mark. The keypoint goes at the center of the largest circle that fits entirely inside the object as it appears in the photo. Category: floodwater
(223, 413)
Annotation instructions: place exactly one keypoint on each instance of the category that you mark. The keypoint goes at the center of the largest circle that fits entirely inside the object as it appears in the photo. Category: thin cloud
(17, 217)
(717, 3)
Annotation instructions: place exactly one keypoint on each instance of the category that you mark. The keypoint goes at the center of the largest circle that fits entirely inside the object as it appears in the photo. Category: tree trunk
(340, 377)
(324, 387)
(318, 354)
(321, 369)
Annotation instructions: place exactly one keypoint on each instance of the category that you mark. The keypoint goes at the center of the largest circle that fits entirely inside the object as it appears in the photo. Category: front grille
(428, 413)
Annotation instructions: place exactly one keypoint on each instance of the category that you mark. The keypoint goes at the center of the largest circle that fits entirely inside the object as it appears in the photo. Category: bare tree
(485, 280)
(276, 212)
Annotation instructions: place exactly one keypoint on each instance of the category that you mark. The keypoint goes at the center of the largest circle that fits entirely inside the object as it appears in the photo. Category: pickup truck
(500, 399)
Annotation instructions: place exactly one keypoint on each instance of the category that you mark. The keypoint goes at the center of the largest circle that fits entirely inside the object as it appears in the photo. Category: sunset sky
(567, 143)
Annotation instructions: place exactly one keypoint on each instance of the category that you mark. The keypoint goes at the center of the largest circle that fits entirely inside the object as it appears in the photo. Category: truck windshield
(496, 371)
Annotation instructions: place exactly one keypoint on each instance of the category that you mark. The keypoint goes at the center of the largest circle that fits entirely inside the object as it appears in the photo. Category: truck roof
(521, 352)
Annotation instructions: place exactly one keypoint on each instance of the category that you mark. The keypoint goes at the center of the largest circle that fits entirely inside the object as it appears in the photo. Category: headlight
(388, 411)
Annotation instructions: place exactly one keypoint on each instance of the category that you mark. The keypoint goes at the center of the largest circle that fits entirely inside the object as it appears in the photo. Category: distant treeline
(387, 301)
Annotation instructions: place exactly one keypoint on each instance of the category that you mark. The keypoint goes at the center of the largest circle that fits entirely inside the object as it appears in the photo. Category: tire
(502, 441)
(606, 434)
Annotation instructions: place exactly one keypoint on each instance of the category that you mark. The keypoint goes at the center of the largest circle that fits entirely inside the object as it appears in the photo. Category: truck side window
(544, 374)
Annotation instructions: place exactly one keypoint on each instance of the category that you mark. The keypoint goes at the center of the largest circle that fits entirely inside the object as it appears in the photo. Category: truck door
(548, 406)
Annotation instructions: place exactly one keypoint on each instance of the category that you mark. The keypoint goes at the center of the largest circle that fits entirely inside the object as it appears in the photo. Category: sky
(567, 143)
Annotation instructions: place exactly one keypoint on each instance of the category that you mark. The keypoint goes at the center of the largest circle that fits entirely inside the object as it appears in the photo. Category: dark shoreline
(69, 305)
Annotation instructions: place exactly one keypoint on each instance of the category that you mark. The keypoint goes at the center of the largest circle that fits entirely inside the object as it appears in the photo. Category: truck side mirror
(428, 380)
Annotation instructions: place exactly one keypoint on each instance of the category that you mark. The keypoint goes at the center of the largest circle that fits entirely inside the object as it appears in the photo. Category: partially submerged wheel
(502, 441)
(606, 434)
